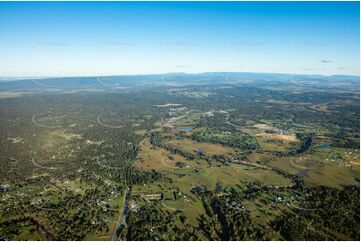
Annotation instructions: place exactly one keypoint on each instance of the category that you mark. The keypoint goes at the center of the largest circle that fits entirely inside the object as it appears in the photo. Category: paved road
(121, 220)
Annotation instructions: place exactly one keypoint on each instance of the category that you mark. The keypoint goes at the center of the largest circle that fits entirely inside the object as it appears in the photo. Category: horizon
(16, 78)
(68, 39)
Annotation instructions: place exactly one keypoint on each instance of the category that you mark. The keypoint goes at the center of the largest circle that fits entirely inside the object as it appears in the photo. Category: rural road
(121, 220)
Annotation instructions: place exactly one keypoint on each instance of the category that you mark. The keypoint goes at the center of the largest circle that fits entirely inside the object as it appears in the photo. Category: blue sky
(104, 38)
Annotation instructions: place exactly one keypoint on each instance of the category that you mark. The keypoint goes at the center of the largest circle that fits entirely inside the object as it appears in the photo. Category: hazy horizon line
(170, 73)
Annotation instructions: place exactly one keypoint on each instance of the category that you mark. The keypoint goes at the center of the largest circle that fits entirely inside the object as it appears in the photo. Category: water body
(185, 128)
(325, 146)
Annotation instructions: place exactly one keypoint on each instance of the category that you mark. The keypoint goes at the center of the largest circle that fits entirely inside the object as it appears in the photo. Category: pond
(185, 128)
(325, 146)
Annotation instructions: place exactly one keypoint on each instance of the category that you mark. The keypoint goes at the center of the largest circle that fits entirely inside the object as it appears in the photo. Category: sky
(114, 38)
